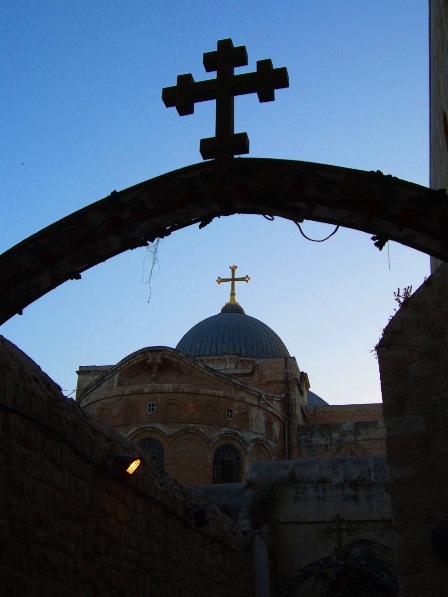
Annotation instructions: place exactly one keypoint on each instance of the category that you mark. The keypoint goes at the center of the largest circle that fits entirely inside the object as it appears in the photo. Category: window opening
(153, 448)
(227, 464)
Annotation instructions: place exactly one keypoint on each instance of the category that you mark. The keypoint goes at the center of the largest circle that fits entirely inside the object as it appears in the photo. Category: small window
(227, 464)
(153, 448)
(151, 408)
(229, 413)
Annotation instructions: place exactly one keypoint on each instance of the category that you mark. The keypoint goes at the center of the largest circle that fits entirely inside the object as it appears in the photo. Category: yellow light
(133, 466)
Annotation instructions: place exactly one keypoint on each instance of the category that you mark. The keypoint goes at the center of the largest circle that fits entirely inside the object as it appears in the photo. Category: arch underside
(384, 206)
(360, 568)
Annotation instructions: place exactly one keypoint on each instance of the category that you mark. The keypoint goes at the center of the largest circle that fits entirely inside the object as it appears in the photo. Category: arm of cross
(269, 79)
(263, 82)
(226, 55)
(181, 95)
(245, 279)
(187, 93)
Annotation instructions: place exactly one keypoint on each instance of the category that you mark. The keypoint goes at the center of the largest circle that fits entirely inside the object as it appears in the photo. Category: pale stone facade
(191, 406)
(192, 409)
(305, 473)
(329, 516)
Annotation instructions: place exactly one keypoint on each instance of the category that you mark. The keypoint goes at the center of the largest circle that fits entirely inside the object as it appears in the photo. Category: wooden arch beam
(368, 201)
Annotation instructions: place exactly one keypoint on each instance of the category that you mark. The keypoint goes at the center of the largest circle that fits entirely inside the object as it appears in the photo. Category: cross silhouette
(339, 529)
(223, 89)
(232, 286)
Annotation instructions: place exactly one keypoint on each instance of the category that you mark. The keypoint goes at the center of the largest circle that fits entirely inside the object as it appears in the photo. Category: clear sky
(81, 115)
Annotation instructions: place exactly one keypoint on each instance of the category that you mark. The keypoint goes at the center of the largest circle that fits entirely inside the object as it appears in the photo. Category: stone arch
(193, 429)
(243, 418)
(227, 464)
(101, 412)
(157, 431)
(209, 414)
(269, 429)
(260, 452)
(171, 411)
(233, 436)
(189, 458)
(368, 201)
(154, 448)
(130, 413)
(366, 562)
(156, 435)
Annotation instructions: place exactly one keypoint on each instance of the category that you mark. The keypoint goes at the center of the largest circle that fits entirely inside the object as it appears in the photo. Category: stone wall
(193, 411)
(349, 438)
(413, 356)
(338, 413)
(312, 509)
(71, 525)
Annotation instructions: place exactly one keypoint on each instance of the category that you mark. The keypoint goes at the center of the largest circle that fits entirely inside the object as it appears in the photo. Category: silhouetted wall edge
(413, 356)
(70, 525)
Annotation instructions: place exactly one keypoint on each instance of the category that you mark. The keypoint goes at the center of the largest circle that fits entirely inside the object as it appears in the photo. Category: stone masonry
(70, 525)
(413, 354)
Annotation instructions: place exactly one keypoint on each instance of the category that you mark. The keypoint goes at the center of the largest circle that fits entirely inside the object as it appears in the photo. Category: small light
(127, 463)
(133, 466)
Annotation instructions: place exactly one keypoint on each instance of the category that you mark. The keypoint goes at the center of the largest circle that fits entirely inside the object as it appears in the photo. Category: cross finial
(232, 280)
(223, 89)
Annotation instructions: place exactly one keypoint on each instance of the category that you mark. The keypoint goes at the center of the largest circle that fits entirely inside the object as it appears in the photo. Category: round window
(229, 413)
(151, 408)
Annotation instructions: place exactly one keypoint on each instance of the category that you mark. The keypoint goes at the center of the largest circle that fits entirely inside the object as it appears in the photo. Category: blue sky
(81, 115)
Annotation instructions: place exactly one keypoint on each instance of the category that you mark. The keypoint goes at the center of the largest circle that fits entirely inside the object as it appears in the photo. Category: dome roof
(232, 332)
(315, 400)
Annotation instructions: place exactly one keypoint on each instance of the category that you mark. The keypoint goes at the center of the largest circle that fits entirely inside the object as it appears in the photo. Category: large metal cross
(223, 89)
(232, 286)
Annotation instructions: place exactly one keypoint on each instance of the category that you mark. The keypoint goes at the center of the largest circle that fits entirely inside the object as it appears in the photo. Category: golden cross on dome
(232, 280)
(223, 89)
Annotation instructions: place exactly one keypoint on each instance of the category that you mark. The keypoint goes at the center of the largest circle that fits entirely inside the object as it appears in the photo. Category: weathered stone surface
(416, 439)
(303, 500)
(83, 530)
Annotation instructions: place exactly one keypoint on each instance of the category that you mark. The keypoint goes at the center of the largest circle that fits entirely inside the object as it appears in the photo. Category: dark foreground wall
(70, 526)
(413, 359)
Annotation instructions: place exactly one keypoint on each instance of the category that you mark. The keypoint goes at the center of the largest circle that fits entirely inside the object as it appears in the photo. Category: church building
(229, 413)
(228, 395)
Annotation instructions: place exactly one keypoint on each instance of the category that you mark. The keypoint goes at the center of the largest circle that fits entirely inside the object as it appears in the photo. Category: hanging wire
(314, 240)
(151, 251)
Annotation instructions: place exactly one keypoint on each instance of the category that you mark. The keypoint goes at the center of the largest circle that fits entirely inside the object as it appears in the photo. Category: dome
(315, 400)
(232, 332)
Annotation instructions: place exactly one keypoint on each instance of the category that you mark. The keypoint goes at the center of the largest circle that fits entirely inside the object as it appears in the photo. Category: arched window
(153, 448)
(269, 429)
(227, 464)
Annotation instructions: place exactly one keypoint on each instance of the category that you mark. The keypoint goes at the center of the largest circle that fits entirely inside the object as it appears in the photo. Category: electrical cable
(314, 240)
